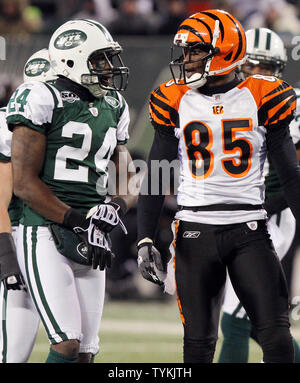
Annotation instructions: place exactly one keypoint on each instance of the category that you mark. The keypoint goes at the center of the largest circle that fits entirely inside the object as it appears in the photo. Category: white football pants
(19, 323)
(68, 296)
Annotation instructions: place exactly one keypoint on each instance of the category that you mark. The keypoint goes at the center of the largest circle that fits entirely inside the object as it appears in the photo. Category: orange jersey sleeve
(275, 100)
(164, 104)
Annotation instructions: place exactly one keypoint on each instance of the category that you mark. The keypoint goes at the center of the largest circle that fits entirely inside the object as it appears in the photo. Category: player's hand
(100, 257)
(10, 272)
(149, 261)
(15, 282)
(107, 216)
(99, 248)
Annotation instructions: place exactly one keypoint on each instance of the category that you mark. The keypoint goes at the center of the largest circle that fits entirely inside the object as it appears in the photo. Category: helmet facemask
(274, 65)
(188, 48)
(181, 67)
(107, 72)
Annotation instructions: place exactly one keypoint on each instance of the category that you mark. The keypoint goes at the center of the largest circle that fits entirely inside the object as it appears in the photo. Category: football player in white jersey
(73, 127)
(19, 317)
(266, 55)
(220, 128)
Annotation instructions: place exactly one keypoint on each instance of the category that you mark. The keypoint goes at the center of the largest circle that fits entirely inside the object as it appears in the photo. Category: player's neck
(214, 87)
(214, 81)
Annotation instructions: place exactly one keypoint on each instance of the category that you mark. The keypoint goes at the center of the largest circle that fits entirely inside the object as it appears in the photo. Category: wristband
(144, 242)
(73, 218)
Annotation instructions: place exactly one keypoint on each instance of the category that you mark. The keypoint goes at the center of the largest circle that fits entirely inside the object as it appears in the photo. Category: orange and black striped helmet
(219, 34)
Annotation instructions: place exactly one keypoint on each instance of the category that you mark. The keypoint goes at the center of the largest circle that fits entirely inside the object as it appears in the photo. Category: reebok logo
(191, 234)
(252, 225)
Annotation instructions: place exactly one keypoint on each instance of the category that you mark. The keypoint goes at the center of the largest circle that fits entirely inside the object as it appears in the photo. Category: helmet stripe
(256, 39)
(101, 27)
(268, 42)
(204, 23)
(240, 47)
(192, 30)
(216, 18)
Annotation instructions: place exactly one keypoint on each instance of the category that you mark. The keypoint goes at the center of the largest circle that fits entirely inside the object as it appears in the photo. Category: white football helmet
(265, 46)
(38, 68)
(85, 52)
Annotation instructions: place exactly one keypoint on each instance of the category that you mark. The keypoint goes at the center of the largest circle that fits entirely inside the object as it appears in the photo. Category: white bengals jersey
(222, 143)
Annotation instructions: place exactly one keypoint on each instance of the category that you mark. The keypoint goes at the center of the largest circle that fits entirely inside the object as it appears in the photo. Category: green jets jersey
(273, 188)
(81, 138)
(16, 205)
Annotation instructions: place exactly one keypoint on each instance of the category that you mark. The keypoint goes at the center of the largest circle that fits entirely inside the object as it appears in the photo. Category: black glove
(98, 247)
(149, 259)
(10, 272)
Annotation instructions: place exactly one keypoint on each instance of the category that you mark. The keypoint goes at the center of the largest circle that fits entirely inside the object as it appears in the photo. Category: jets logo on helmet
(70, 39)
(219, 35)
(264, 48)
(38, 68)
(85, 52)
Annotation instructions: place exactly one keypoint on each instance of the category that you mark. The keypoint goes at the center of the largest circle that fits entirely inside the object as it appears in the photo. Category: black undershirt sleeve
(164, 147)
(284, 158)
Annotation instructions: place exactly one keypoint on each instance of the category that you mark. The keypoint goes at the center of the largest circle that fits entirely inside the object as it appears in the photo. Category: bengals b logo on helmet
(219, 34)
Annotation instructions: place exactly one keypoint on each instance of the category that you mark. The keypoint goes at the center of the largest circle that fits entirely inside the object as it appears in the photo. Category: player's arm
(28, 154)
(10, 272)
(5, 195)
(164, 147)
(276, 204)
(276, 112)
(284, 157)
(125, 175)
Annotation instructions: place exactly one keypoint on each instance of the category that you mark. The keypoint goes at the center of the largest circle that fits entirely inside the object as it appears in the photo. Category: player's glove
(10, 272)
(149, 261)
(15, 282)
(97, 250)
(107, 216)
(104, 216)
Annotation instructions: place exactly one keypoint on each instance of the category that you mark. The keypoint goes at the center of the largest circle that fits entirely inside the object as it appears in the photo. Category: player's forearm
(41, 199)
(148, 215)
(126, 178)
(5, 224)
(150, 206)
(5, 196)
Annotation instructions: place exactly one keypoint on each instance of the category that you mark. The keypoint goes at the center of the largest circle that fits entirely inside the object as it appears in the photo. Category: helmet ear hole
(70, 63)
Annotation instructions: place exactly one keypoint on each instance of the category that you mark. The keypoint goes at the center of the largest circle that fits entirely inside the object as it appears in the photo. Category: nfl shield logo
(94, 111)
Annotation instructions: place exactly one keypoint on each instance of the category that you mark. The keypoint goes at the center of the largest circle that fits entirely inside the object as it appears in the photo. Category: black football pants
(256, 274)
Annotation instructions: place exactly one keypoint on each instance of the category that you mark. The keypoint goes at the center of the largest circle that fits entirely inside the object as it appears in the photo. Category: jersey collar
(211, 90)
(83, 93)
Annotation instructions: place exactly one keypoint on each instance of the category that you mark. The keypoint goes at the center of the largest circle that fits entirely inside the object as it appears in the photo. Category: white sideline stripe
(135, 327)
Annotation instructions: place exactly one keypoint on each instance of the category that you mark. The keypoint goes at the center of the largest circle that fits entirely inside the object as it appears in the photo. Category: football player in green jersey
(18, 315)
(65, 137)
(266, 57)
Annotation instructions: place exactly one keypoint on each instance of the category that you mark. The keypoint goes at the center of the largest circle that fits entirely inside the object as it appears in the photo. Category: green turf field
(139, 332)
